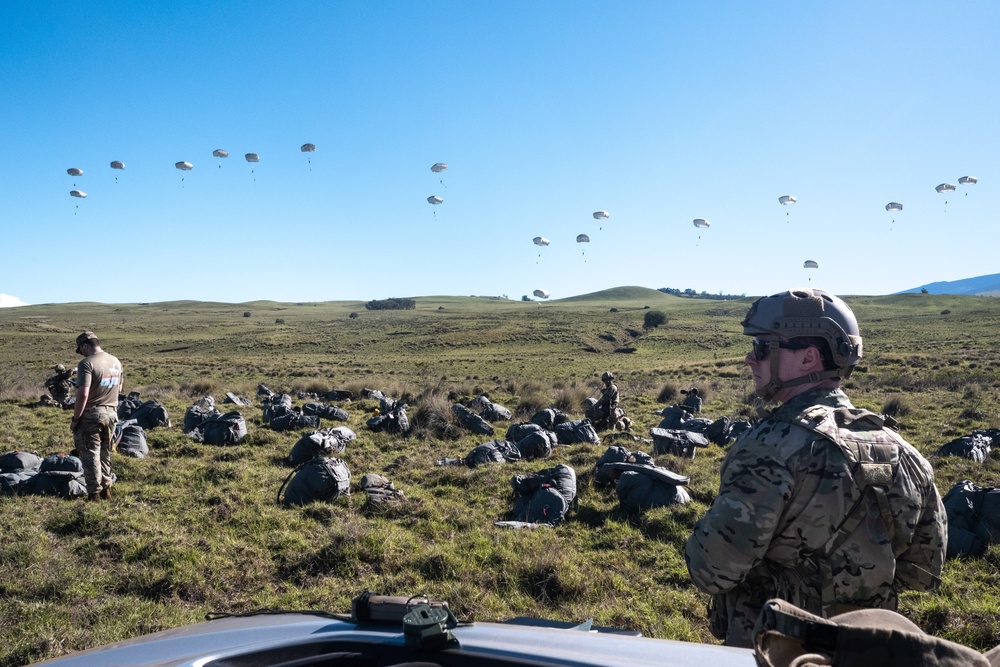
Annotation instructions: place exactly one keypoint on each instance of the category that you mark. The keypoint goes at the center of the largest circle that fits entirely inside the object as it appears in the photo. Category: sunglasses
(762, 348)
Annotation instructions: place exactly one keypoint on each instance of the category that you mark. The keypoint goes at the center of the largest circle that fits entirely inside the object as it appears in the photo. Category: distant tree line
(391, 304)
(691, 294)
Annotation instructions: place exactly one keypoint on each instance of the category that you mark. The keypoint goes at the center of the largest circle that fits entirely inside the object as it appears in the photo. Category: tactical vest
(874, 463)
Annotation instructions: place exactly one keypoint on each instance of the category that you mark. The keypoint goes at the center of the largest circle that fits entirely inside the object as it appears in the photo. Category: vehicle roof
(314, 639)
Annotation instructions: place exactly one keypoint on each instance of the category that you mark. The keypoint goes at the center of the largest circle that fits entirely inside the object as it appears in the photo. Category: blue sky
(657, 112)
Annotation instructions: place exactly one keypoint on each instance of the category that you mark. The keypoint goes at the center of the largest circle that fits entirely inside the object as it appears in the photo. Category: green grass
(195, 528)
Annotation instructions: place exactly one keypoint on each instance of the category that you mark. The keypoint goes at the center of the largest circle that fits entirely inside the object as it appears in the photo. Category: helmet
(808, 312)
(59, 368)
(800, 313)
(607, 376)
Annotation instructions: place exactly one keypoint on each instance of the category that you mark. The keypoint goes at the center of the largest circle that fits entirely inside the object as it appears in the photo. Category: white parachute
(434, 199)
(184, 166)
(786, 200)
(79, 194)
(74, 171)
(582, 238)
(968, 180)
(542, 294)
(598, 215)
(438, 167)
(117, 164)
(945, 188)
(810, 264)
(539, 240)
(894, 206)
(219, 152)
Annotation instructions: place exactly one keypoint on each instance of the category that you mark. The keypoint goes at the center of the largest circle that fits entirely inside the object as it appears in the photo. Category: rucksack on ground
(573, 432)
(149, 415)
(224, 429)
(380, 490)
(678, 442)
(519, 430)
(325, 411)
(537, 445)
(130, 439)
(605, 475)
(545, 496)
(293, 421)
(19, 460)
(471, 420)
(494, 451)
(642, 487)
(317, 480)
(321, 442)
(973, 518)
(59, 475)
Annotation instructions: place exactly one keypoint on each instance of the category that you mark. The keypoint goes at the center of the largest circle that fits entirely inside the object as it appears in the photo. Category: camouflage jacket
(786, 490)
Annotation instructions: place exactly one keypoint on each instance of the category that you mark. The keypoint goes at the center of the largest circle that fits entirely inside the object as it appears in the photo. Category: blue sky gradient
(658, 112)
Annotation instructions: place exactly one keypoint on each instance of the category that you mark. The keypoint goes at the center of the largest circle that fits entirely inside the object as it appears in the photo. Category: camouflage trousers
(93, 441)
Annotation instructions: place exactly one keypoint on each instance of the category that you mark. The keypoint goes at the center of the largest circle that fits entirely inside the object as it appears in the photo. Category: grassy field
(196, 528)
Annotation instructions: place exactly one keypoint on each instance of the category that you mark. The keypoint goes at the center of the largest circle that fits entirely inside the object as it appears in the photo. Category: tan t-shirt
(102, 372)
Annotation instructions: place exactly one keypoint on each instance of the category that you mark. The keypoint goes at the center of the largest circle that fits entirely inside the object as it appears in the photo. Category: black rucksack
(292, 420)
(678, 442)
(18, 461)
(196, 414)
(322, 442)
(641, 487)
(325, 411)
(537, 445)
(59, 475)
(572, 432)
(227, 429)
(494, 451)
(973, 518)
(545, 496)
(520, 430)
(150, 415)
(471, 420)
(320, 479)
(130, 439)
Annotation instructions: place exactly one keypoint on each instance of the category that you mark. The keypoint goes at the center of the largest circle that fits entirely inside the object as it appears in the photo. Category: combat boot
(93, 497)
(105, 493)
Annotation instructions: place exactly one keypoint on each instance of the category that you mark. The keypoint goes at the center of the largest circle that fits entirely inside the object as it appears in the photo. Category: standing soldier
(59, 385)
(99, 381)
(821, 504)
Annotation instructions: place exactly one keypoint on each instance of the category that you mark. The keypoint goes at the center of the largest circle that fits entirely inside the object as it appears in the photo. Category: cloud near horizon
(8, 301)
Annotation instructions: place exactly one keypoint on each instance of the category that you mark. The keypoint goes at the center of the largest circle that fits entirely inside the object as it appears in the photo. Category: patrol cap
(83, 338)
(787, 635)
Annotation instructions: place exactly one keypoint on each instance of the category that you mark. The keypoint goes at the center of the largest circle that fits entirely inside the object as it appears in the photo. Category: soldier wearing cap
(59, 385)
(99, 381)
(821, 504)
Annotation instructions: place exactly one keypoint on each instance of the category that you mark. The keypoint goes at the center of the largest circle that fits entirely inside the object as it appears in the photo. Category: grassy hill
(195, 528)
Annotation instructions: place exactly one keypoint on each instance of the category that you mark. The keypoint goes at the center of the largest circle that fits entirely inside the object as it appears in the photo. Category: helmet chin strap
(768, 391)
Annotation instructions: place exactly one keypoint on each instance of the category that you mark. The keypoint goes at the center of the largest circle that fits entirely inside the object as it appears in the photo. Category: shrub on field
(897, 406)
(199, 388)
(653, 319)
(570, 399)
(16, 383)
(668, 393)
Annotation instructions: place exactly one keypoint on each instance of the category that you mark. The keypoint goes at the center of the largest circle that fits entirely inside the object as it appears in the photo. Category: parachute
(582, 238)
(73, 171)
(968, 180)
(702, 223)
(438, 167)
(117, 164)
(218, 152)
(542, 294)
(538, 240)
(184, 166)
(785, 200)
(810, 264)
(80, 194)
(252, 158)
(599, 215)
(944, 189)
(893, 206)
(434, 199)
(308, 148)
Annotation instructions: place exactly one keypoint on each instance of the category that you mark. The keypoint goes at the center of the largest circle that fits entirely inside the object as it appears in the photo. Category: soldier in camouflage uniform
(59, 385)
(821, 504)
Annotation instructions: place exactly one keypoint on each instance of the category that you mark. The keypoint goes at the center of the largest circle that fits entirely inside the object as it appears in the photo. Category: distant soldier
(99, 381)
(821, 504)
(605, 413)
(60, 385)
(691, 402)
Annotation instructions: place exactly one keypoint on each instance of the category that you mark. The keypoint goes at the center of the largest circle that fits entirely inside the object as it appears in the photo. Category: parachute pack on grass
(223, 429)
(545, 496)
(321, 479)
(573, 432)
(148, 414)
(321, 442)
(976, 446)
(380, 490)
(471, 420)
(494, 451)
(130, 439)
(677, 442)
(58, 475)
(973, 518)
(537, 445)
(325, 411)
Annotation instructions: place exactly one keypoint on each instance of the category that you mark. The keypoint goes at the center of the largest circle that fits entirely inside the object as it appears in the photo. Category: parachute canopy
(434, 199)
(945, 187)
(968, 180)
(184, 166)
(538, 240)
(601, 214)
(218, 152)
(810, 264)
(308, 148)
(438, 167)
(252, 157)
(542, 294)
(78, 193)
(894, 206)
(117, 164)
(701, 223)
(73, 171)
(785, 200)
(582, 238)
